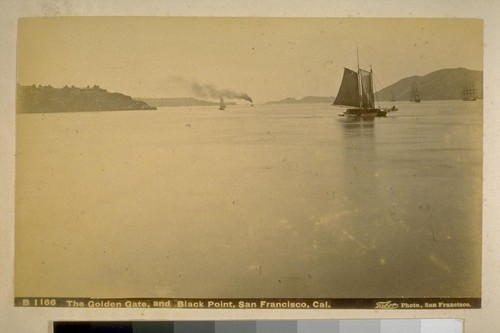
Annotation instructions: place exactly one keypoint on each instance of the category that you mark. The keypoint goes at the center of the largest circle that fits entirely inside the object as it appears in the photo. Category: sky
(266, 58)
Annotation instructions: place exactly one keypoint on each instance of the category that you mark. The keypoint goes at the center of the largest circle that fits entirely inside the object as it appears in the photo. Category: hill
(178, 101)
(443, 84)
(46, 99)
(305, 100)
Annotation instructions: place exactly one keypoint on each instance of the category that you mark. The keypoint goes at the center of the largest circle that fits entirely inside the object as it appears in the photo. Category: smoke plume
(211, 91)
(204, 90)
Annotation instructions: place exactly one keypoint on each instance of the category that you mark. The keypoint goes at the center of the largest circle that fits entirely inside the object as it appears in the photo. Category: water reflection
(372, 225)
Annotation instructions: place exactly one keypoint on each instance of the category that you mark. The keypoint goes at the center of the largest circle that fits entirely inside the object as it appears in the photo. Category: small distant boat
(469, 92)
(356, 90)
(392, 109)
(222, 105)
(414, 96)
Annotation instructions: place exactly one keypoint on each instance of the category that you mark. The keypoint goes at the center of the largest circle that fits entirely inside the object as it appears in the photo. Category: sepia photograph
(291, 162)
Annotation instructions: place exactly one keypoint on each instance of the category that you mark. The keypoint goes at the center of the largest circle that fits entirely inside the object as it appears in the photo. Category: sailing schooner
(414, 96)
(469, 92)
(356, 90)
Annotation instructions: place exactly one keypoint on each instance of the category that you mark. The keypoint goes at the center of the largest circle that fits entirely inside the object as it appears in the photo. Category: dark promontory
(46, 99)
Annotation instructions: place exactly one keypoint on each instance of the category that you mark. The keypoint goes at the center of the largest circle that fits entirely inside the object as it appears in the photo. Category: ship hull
(359, 113)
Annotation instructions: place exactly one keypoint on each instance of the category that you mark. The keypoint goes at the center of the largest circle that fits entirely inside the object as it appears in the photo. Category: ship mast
(360, 88)
(372, 91)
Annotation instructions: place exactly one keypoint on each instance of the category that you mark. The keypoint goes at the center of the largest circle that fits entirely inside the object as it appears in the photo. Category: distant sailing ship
(222, 105)
(469, 92)
(356, 90)
(414, 96)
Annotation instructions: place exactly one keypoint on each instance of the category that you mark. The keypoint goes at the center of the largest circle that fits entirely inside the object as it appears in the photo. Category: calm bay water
(264, 201)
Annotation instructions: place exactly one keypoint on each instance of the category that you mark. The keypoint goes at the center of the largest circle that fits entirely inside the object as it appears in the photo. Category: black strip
(440, 303)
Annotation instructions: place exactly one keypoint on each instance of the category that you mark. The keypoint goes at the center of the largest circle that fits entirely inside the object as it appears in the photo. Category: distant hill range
(34, 99)
(305, 100)
(443, 84)
(178, 101)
